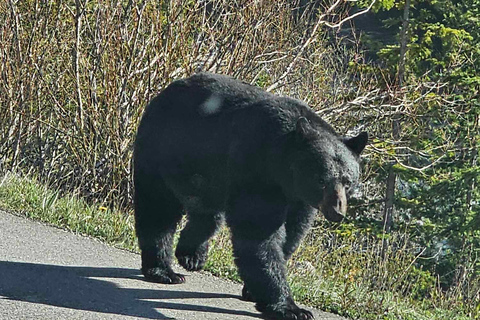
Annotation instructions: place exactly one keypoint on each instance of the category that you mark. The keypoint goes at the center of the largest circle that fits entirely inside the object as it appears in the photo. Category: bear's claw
(163, 276)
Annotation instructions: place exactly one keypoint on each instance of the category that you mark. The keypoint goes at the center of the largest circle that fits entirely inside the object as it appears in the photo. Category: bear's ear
(303, 128)
(358, 143)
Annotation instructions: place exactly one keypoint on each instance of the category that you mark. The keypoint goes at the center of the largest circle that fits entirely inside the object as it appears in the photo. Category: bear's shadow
(79, 288)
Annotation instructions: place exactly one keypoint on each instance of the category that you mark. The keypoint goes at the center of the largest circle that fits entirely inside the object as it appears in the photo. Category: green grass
(35, 201)
(333, 270)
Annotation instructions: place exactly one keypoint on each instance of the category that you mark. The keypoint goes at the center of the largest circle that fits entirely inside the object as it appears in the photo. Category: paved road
(47, 273)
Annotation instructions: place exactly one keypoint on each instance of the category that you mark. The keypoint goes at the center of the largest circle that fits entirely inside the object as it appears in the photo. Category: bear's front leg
(300, 217)
(258, 234)
(262, 267)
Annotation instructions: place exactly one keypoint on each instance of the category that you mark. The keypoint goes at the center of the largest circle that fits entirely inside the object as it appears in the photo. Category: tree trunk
(392, 176)
(403, 44)
(390, 194)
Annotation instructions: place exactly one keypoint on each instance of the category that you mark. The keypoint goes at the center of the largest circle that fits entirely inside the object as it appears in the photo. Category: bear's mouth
(332, 214)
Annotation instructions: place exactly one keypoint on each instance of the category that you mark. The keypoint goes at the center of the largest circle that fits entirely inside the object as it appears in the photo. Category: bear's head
(325, 167)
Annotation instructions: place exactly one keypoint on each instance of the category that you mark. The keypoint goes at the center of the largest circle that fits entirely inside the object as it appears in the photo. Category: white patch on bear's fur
(211, 105)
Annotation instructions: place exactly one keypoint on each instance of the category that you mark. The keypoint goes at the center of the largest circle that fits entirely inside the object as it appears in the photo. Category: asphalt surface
(48, 273)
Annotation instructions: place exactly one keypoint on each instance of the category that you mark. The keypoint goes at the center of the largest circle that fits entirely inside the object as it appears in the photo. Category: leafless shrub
(75, 76)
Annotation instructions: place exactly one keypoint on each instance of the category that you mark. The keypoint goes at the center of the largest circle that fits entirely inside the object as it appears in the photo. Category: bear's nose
(341, 199)
(339, 204)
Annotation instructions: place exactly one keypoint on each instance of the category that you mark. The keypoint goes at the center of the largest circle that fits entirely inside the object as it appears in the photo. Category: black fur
(213, 147)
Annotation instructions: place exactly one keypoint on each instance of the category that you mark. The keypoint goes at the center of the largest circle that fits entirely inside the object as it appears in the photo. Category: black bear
(217, 149)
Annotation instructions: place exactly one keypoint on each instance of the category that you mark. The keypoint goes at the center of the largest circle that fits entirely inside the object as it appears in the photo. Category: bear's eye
(346, 183)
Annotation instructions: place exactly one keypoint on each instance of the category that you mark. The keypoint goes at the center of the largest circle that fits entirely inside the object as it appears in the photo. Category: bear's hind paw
(289, 312)
(163, 276)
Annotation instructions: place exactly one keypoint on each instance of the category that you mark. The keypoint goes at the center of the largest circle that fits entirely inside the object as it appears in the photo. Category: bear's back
(205, 94)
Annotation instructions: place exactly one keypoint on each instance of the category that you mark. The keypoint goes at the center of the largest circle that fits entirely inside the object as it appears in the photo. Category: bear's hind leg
(192, 247)
(157, 213)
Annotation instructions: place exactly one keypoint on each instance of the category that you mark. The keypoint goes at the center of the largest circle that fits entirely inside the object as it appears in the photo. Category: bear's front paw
(163, 276)
(285, 312)
(191, 261)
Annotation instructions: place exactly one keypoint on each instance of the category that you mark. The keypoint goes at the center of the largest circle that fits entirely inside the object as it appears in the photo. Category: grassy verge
(341, 273)
(35, 201)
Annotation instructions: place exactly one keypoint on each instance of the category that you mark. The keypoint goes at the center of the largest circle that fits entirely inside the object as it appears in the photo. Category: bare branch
(340, 23)
(312, 38)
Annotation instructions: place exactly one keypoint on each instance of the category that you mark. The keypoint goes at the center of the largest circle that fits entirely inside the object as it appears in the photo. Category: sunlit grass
(35, 201)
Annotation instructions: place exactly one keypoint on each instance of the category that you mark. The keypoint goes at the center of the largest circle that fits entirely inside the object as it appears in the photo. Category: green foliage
(443, 38)
(437, 198)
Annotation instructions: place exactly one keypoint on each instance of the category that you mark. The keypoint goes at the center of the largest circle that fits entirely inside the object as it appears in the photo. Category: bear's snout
(334, 204)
